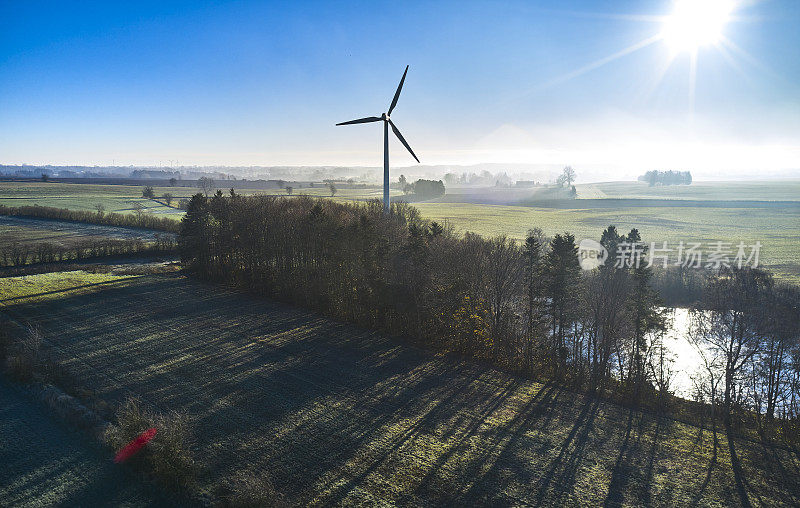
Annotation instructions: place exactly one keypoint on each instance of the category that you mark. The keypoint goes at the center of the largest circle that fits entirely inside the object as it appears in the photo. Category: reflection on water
(685, 355)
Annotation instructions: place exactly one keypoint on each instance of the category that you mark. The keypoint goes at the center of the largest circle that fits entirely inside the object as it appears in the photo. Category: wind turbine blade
(402, 139)
(362, 120)
(397, 93)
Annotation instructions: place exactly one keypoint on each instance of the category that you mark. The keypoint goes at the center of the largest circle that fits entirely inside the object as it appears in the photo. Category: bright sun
(695, 23)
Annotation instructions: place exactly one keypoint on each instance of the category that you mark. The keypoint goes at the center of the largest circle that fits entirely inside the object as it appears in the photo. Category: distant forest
(424, 188)
(528, 307)
(667, 178)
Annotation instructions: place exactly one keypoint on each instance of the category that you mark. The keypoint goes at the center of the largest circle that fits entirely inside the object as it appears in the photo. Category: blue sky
(263, 83)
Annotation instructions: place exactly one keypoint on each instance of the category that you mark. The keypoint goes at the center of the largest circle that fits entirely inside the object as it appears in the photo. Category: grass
(24, 231)
(45, 463)
(54, 285)
(338, 415)
(774, 190)
(78, 196)
(776, 229)
(121, 198)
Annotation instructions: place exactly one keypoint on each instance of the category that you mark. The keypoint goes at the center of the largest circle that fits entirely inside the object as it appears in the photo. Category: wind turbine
(386, 123)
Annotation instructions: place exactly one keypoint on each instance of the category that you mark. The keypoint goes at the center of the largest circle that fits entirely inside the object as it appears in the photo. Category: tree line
(137, 220)
(422, 188)
(17, 254)
(527, 307)
(747, 330)
(670, 177)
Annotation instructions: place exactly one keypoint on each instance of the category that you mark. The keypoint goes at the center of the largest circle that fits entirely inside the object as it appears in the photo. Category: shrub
(21, 255)
(110, 219)
(58, 375)
(246, 491)
(167, 457)
(23, 355)
(5, 341)
(19, 368)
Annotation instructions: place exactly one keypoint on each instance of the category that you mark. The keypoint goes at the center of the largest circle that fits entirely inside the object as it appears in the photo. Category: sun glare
(695, 23)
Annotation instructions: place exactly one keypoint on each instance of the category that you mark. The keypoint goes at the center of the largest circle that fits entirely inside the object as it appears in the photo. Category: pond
(687, 359)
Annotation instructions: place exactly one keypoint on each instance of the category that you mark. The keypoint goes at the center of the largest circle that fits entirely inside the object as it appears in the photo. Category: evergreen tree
(563, 271)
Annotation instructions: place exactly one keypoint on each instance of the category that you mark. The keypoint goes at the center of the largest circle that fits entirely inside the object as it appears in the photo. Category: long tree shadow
(331, 409)
(568, 461)
(634, 463)
(443, 411)
(711, 465)
(483, 481)
(738, 473)
(773, 463)
(622, 471)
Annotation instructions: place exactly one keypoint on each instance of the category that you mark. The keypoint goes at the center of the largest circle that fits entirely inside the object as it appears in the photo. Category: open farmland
(777, 227)
(24, 230)
(775, 190)
(122, 198)
(86, 196)
(338, 415)
(47, 464)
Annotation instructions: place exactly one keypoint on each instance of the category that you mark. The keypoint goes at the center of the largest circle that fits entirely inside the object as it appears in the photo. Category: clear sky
(263, 83)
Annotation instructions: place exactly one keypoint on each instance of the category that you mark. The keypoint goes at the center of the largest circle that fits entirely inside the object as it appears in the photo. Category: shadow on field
(46, 463)
(337, 415)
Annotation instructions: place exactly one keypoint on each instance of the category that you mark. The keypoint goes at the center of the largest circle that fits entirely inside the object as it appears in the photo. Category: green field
(121, 198)
(776, 227)
(25, 231)
(338, 415)
(776, 190)
(115, 198)
(778, 230)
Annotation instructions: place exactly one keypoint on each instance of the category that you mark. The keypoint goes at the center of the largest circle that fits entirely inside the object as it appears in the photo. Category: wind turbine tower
(387, 122)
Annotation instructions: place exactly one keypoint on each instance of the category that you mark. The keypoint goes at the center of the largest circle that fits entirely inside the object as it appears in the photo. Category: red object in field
(130, 449)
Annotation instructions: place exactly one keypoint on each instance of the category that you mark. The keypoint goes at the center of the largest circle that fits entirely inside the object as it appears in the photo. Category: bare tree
(726, 328)
(332, 188)
(772, 369)
(206, 184)
(138, 209)
(569, 175)
(167, 197)
(660, 363)
(504, 277)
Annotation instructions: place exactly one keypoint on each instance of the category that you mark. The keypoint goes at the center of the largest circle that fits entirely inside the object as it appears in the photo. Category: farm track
(339, 415)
